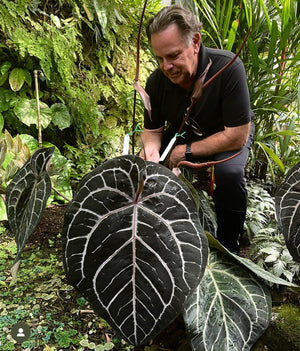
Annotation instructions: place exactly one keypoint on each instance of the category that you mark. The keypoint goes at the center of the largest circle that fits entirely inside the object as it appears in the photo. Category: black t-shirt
(225, 102)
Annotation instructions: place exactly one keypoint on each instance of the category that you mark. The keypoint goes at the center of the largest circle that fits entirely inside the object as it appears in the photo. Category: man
(220, 122)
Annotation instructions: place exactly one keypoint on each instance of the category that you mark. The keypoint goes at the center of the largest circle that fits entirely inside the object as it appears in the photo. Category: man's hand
(177, 155)
(151, 143)
(150, 153)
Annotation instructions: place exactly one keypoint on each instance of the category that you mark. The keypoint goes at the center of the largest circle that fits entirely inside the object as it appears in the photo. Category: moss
(288, 321)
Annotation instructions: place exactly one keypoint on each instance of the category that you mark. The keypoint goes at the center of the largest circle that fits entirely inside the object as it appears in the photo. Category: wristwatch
(188, 153)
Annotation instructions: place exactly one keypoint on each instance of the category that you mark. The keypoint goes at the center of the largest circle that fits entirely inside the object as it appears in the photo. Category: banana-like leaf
(287, 203)
(229, 310)
(26, 196)
(133, 245)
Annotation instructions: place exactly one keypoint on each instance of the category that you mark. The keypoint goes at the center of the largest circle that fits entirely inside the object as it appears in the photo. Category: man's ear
(196, 42)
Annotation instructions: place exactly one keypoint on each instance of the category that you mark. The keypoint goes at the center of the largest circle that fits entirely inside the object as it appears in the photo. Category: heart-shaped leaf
(287, 202)
(229, 310)
(26, 196)
(134, 246)
(26, 110)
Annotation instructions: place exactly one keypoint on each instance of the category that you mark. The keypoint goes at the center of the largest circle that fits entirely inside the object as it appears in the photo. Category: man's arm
(151, 144)
(231, 138)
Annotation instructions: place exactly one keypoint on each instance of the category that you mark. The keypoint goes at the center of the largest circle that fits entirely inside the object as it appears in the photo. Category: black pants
(230, 195)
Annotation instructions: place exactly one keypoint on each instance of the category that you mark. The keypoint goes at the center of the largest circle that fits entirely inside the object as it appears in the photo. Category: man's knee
(229, 176)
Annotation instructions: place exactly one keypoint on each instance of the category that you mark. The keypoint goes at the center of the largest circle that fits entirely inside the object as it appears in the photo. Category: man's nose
(166, 64)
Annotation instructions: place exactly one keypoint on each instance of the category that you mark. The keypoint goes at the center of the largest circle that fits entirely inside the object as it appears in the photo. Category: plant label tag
(126, 144)
(168, 148)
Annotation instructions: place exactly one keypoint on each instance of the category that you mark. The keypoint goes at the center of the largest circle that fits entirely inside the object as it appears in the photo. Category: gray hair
(186, 21)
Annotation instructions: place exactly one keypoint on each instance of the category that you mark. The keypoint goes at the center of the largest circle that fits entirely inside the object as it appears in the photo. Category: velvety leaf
(26, 110)
(287, 203)
(60, 116)
(133, 245)
(26, 197)
(229, 310)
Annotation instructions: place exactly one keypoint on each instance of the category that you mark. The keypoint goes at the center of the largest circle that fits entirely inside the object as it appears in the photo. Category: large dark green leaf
(287, 201)
(26, 197)
(134, 246)
(229, 310)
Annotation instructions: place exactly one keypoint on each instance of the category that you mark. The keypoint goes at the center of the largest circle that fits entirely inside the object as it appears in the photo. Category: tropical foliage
(86, 52)
(83, 52)
(271, 58)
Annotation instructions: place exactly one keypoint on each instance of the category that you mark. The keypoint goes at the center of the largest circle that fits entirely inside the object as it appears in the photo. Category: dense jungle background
(78, 58)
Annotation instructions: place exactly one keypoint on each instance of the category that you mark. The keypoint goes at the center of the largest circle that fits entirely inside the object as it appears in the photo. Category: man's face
(177, 60)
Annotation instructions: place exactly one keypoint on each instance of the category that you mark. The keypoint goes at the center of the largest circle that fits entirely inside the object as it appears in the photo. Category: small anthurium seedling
(26, 198)
(287, 203)
(133, 245)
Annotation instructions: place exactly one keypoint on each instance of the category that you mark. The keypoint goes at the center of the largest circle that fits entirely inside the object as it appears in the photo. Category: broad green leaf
(16, 79)
(60, 116)
(26, 110)
(4, 67)
(26, 198)
(229, 310)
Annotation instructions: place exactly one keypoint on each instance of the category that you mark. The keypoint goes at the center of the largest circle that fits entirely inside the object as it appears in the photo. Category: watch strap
(188, 153)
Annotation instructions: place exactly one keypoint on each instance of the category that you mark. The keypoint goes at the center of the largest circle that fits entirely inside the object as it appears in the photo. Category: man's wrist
(188, 153)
